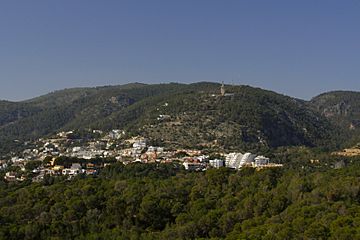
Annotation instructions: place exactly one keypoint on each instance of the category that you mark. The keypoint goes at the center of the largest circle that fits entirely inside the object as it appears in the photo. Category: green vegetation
(152, 201)
(306, 199)
(343, 109)
(342, 106)
(68, 161)
(251, 119)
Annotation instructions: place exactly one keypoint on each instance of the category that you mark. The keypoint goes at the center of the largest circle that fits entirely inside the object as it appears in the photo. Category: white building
(232, 160)
(216, 163)
(76, 149)
(261, 161)
(152, 149)
(238, 160)
(116, 134)
(247, 159)
(10, 176)
(73, 170)
(139, 144)
(193, 166)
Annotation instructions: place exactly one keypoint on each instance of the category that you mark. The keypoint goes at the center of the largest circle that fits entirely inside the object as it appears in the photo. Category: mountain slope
(249, 118)
(173, 114)
(340, 106)
(66, 109)
(343, 109)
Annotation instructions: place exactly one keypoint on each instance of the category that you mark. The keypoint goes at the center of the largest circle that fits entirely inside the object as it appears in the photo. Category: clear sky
(299, 48)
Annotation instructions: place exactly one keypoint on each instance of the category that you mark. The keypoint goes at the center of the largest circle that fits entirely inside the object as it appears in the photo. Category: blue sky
(299, 48)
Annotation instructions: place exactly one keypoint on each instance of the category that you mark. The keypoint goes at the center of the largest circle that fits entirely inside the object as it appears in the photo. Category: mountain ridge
(246, 117)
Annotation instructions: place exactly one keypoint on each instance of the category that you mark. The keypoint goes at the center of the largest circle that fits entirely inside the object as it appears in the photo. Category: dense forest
(163, 201)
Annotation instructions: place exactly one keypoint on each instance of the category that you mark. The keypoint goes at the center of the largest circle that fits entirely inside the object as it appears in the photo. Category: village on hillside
(70, 155)
(73, 152)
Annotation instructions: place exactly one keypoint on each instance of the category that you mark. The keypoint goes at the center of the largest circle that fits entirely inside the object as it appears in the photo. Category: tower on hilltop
(222, 89)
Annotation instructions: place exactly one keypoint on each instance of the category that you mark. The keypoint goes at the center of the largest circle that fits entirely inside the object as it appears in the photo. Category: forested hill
(343, 109)
(342, 106)
(180, 114)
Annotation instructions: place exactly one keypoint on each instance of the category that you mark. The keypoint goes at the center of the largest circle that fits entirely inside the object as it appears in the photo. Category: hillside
(343, 109)
(248, 119)
(174, 114)
(341, 106)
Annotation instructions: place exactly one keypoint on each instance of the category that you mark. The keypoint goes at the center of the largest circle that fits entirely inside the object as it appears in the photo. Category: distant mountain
(187, 115)
(340, 106)
(343, 109)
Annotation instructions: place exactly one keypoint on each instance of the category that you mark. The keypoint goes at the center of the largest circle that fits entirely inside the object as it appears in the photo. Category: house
(116, 134)
(90, 166)
(90, 171)
(261, 161)
(58, 168)
(152, 149)
(216, 163)
(3, 164)
(193, 166)
(75, 169)
(139, 144)
(10, 176)
(38, 178)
